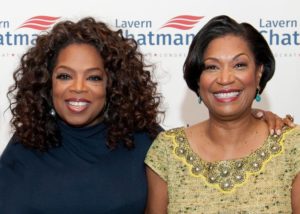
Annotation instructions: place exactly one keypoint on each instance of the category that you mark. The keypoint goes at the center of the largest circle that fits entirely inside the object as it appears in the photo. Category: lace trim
(228, 174)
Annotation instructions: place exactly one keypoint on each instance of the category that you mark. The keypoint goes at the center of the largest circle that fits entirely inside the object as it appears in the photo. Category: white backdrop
(279, 22)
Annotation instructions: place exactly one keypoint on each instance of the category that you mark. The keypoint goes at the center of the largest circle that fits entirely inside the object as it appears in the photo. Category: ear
(259, 72)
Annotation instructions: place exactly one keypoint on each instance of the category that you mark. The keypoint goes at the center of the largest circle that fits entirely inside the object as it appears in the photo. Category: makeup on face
(79, 85)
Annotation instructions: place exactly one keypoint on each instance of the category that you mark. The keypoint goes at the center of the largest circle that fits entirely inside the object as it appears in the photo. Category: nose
(225, 77)
(78, 85)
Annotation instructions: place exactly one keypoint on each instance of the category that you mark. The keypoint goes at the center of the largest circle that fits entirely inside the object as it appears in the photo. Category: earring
(257, 96)
(52, 112)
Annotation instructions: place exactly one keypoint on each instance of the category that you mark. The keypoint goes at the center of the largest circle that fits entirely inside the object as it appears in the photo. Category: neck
(232, 132)
(227, 138)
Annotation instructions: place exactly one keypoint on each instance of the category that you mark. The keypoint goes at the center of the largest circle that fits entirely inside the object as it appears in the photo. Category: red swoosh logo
(184, 22)
(39, 22)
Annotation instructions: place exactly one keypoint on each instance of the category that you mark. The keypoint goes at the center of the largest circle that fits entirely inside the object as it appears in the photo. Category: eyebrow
(85, 71)
(240, 54)
(234, 58)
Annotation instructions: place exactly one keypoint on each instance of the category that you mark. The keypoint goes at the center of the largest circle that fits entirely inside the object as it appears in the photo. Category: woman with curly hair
(85, 111)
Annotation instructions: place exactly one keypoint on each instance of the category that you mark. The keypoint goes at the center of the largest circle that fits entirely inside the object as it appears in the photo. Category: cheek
(58, 89)
(99, 92)
(58, 93)
(205, 81)
(248, 79)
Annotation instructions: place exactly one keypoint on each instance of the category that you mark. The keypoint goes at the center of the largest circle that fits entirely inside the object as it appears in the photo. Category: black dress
(81, 176)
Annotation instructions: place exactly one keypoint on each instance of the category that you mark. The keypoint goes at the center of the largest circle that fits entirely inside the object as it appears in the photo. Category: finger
(257, 113)
(279, 124)
(270, 119)
(290, 117)
(289, 121)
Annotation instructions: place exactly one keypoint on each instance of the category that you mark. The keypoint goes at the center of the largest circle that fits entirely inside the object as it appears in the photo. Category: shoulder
(291, 136)
(15, 152)
(291, 140)
(162, 150)
(11, 148)
(171, 133)
(167, 139)
(11, 161)
(143, 140)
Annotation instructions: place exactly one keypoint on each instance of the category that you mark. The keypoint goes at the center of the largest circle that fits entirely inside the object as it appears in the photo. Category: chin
(229, 115)
(76, 122)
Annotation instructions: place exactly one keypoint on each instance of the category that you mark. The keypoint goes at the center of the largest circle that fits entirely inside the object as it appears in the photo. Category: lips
(77, 105)
(227, 96)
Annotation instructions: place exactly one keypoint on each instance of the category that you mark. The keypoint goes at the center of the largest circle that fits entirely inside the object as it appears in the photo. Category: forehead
(228, 44)
(79, 55)
(79, 59)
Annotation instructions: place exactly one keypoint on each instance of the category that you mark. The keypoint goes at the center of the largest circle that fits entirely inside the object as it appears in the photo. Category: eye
(210, 68)
(240, 66)
(63, 76)
(94, 78)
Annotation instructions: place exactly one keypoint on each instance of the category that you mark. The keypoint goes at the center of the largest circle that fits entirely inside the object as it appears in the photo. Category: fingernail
(259, 114)
(272, 131)
(278, 132)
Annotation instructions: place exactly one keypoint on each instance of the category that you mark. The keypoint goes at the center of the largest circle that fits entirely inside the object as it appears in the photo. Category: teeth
(72, 103)
(226, 95)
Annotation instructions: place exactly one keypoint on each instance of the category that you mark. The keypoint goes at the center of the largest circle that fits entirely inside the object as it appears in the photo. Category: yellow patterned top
(258, 183)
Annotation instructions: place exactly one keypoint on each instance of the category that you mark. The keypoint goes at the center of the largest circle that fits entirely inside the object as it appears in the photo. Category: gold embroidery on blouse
(228, 174)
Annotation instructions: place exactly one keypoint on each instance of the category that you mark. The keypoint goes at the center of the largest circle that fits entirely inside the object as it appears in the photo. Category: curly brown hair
(131, 93)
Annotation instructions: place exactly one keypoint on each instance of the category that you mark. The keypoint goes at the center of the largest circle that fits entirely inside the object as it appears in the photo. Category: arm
(296, 195)
(274, 122)
(157, 200)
